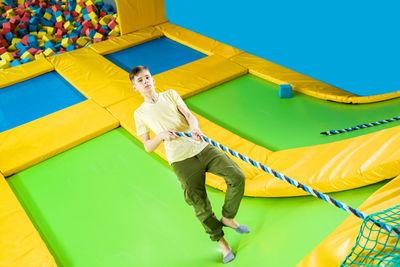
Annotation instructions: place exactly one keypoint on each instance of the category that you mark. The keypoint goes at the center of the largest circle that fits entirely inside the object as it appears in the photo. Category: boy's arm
(151, 144)
(192, 121)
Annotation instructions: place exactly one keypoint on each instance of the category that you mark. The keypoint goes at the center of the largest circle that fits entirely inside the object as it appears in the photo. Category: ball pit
(32, 30)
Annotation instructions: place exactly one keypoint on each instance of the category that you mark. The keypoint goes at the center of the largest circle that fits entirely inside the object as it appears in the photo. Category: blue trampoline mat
(29, 100)
(158, 55)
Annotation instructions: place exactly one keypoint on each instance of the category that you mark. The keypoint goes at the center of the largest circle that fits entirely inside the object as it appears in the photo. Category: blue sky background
(353, 45)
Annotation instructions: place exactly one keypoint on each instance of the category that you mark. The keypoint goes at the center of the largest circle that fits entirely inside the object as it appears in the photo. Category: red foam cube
(78, 46)
(15, 53)
(15, 20)
(79, 20)
(7, 8)
(28, 4)
(43, 5)
(25, 18)
(24, 40)
(61, 32)
(32, 50)
(112, 24)
(56, 8)
(102, 31)
(90, 8)
(96, 40)
(97, 27)
(74, 14)
(3, 42)
(58, 25)
(87, 24)
(82, 4)
(83, 31)
(74, 39)
(102, 14)
(38, 52)
(35, 2)
(66, 13)
(3, 50)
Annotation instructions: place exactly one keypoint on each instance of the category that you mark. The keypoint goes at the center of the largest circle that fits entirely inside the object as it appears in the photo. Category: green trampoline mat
(251, 108)
(109, 203)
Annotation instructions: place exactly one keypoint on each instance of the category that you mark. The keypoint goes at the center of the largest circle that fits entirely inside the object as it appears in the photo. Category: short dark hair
(136, 70)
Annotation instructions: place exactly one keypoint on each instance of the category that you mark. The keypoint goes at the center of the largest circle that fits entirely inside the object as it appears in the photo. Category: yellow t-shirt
(164, 115)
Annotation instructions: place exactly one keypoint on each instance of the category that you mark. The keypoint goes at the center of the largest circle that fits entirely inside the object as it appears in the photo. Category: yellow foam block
(113, 33)
(105, 20)
(20, 243)
(4, 64)
(78, 9)
(103, 81)
(333, 249)
(60, 19)
(47, 37)
(66, 42)
(39, 56)
(7, 56)
(48, 52)
(27, 55)
(302, 83)
(15, 40)
(134, 15)
(81, 41)
(68, 25)
(94, 21)
(93, 15)
(47, 16)
(24, 72)
(126, 41)
(51, 135)
(197, 41)
(98, 35)
(198, 76)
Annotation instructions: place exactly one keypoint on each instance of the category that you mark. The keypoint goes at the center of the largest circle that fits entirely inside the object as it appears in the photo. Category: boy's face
(143, 82)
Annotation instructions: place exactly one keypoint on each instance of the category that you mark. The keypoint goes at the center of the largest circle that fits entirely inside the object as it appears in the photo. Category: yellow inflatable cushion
(24, 72)
(134, 15)
(333, 250)
(125, 41)
(93, 75)
(302, 83)
(20, 243)
(31, 143)
(197, 41)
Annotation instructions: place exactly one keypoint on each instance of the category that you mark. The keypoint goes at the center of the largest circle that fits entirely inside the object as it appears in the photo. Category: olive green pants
(191, 174)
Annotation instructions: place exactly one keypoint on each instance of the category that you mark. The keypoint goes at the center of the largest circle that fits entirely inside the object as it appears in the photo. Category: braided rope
(295, 183)
(361, 126)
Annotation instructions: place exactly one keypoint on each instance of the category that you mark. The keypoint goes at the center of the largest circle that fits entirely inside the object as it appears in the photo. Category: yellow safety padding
(197, 41)
(24, 72)
(33, 142)
(199, 75)
(127, 40)
(302, 83)
(340, 165)
(20, 243)
(134, 15)
(93, 75)
(333, 249)
(124, 112)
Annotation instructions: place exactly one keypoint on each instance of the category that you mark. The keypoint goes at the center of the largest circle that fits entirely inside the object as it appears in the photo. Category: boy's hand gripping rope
(361, 126)
(292, 182)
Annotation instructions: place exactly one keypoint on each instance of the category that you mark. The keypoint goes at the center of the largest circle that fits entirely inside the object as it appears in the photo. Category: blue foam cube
(70, 48)
(26, 60)
(15, 62)
(285, 91)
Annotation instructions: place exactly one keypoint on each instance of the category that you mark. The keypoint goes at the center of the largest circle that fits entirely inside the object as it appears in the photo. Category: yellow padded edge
(197, 41)
(302, 83)
(93, 75)
(333, 249)
(138, 14)
(31, 143)
(125, 41)
(24, 72)
(20, 243)
(199, 75)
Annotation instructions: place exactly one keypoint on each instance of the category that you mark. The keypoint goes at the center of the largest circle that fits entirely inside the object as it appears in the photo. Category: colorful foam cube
(39, 56)
(112, 24)
(15, 63)
(3, 50)
(7, 56)
(70, 48)
(26, 54)
(68, 25)
(66, 42)
(47, 16)
(26, 60)
(105, 20)
(32, 50)
(48, 52)
(4, 64)
(285, 91)
(81, 41)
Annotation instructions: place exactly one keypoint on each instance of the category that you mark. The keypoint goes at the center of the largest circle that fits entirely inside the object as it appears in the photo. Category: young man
(190, 158)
